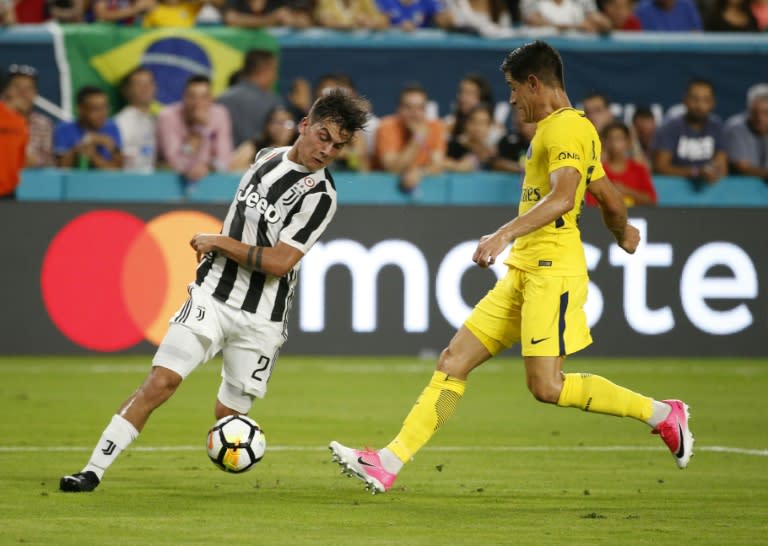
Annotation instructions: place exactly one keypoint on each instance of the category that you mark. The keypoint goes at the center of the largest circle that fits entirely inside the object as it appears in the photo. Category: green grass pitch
(504, 470)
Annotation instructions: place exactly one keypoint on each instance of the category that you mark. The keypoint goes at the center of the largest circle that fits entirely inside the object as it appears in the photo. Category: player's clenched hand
(203, 243)
(488, 248)
(631, 239)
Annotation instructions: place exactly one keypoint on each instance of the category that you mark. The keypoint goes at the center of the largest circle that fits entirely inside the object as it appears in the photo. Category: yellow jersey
(182, 15)
(565, 138)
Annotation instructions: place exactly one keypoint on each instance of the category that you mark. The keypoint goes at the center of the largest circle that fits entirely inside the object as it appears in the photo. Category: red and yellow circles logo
(110, 280)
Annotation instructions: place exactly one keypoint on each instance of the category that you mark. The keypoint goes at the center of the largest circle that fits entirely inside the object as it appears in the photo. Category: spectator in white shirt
(137, 121)
(564, 15)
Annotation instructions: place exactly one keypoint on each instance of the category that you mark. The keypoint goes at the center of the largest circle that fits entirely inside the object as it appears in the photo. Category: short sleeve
(309, 223)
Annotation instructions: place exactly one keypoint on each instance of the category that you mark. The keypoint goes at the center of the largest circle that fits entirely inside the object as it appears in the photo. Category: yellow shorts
(544, 313)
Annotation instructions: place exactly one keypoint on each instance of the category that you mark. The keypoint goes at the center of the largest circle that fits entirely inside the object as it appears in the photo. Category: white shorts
(249, 343)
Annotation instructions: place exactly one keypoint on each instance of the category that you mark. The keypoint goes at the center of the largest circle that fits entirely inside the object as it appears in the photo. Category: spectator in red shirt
(621, 14)
(630, 177)
(13, 142)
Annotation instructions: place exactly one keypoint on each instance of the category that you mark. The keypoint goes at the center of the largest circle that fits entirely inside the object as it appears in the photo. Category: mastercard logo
(111, 280)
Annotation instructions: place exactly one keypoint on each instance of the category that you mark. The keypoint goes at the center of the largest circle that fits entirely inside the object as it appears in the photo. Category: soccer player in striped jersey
(239, 303)
(539, 303)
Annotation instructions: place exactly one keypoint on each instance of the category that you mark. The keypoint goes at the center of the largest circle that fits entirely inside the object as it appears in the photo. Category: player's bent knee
(545, 391)
(447, 364)
(162, 383)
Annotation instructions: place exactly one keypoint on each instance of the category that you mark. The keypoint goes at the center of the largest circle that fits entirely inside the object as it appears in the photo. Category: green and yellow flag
(101, 54)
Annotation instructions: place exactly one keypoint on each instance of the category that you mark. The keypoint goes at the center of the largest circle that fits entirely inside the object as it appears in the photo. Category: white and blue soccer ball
(236, 443)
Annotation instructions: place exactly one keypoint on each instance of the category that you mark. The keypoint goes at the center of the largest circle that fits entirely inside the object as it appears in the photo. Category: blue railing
(354, 188)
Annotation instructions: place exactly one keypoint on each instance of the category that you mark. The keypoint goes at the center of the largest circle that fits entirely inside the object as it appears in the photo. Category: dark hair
(699, 81)
(486, 92)
(197, 78)
(339, 106)
(537, 58)
(255, 60)
(87, 91)
(615, 125)
(596, 95)
(643, 112)
(234, 77)
(339, 78)
(17, 71)
(412, 88)
(481, 107)
(126, 81)
(486, 99)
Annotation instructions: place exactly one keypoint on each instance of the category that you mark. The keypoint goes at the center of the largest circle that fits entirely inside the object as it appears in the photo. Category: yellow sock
(597, 394)
(436, 404)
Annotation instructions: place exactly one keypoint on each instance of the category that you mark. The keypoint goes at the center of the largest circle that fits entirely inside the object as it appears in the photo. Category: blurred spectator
(731, 16)
(67, 11)
(760, 11)
(194, 136)
(137, 122)
(122, 12)
(581, 15)
(407, 143)
(668, 15)
(473, 90)
(13, 141)
(268, 13)
(598, 110)
(692, 144)
(470, 150)
(22, 83)
(350, 15)
(7, 12)
(630, 177)
(174, 13)
(92, 141)
(279, 130)
(412, 14)
(621, 15)
(513, 147)
(210, 13)
(747, 136)
(251, 98)
(644, 130)
(487, 18)
(299, 98)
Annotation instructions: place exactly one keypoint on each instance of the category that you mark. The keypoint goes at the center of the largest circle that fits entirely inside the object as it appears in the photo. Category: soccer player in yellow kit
(539, 303)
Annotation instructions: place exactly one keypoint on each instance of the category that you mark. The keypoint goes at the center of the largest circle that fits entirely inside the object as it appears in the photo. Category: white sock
(660, 413)
(116, 437)
(389, 461)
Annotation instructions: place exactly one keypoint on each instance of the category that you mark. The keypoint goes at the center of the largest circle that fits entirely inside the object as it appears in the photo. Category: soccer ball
(236, 443)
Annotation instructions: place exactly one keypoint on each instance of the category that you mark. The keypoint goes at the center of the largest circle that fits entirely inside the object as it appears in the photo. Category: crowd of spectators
(200, 134)
(488, 18)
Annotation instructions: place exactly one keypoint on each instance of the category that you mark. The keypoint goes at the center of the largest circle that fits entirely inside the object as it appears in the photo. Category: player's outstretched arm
(557, 202)
(615, 213)
(275, 260)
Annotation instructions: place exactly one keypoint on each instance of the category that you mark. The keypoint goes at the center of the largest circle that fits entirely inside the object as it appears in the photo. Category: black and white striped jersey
(276, 200)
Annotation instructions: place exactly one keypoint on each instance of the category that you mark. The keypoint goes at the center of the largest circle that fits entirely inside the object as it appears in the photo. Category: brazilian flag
(102, 54)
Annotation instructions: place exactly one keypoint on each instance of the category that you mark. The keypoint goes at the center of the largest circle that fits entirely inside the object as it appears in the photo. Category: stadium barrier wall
(481, 188)
(106, 277)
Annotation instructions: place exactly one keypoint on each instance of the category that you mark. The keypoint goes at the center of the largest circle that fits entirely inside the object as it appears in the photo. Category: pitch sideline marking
(444, 449)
